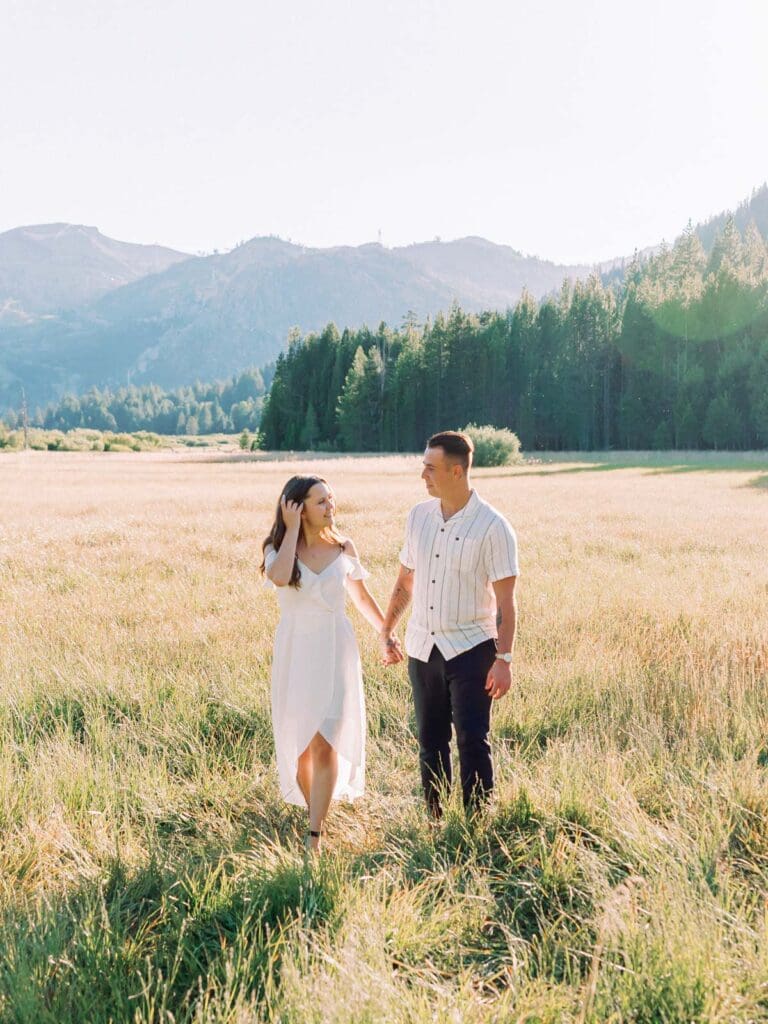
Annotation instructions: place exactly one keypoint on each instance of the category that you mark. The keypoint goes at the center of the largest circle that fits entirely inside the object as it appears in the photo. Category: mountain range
(50, 267)
(78, 309)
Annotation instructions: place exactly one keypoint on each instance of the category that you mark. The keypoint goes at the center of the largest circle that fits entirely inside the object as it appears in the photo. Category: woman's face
(319, 507)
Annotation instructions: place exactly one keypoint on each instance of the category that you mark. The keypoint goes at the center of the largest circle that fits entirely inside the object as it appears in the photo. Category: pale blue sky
(573, 131)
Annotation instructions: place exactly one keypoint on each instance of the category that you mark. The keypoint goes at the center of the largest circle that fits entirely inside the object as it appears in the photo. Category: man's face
(438, 473)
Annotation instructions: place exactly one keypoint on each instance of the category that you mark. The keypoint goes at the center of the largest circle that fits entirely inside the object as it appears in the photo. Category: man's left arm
(499, 677)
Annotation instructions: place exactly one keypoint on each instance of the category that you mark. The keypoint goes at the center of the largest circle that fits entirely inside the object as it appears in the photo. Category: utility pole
(24, 418)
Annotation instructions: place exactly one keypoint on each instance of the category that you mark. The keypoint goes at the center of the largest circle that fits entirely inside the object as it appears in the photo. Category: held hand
(398, 654)
(291, 512)
(499, 679)
(391, 651)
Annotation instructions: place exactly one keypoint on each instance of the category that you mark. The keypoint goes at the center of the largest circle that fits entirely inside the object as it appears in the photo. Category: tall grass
(149, 870)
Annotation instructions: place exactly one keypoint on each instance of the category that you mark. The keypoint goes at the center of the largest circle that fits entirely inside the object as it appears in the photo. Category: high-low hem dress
(317, 679)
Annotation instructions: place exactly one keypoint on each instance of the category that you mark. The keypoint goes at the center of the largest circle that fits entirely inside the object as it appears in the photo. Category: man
(459, 566)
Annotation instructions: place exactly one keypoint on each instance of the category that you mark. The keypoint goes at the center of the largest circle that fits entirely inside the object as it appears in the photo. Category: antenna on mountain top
(379, 236)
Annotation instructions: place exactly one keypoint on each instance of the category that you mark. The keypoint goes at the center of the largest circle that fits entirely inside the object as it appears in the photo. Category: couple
(459, 566)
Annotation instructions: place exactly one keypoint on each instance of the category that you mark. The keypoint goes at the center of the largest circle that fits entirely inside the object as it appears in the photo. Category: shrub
(9, 440)
(494, 446)
(148, 438)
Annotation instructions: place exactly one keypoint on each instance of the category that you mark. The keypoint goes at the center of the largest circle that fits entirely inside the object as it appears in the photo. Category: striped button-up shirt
(455, 563)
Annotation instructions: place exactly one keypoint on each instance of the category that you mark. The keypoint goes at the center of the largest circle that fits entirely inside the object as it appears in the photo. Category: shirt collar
(469, 509)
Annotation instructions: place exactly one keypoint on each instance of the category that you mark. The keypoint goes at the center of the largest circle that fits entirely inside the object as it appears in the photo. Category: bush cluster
(494, 446)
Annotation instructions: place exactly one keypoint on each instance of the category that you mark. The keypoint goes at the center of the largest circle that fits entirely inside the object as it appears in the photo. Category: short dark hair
(457, 446)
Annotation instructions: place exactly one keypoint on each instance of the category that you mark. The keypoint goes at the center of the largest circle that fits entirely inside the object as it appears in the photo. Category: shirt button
(433, 581)
(437, 556)
(442, 529)
(431, 607)
(432, 633)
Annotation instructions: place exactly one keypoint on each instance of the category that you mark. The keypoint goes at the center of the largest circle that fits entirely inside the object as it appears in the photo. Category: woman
(318, 710)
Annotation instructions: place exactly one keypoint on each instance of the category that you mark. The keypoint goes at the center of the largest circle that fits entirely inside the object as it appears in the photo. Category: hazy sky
(575, 131)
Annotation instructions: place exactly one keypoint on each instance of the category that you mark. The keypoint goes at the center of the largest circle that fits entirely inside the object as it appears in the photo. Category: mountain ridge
(210, 316)
(46, 268)
(144, 314)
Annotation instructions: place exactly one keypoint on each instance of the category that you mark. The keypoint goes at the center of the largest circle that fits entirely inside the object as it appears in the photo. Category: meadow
(149, 871)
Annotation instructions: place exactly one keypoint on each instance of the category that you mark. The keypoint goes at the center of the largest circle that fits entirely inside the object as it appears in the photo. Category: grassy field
(150, 872)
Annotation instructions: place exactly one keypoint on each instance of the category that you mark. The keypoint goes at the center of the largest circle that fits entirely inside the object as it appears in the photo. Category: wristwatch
(507, 656)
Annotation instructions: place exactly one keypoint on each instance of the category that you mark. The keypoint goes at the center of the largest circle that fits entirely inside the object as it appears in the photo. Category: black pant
(446, 692)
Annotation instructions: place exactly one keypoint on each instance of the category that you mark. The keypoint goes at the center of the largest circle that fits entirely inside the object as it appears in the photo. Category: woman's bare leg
(324, 772)
(304, 774)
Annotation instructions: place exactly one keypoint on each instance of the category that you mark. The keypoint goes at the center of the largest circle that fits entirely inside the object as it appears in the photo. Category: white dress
(317, 679)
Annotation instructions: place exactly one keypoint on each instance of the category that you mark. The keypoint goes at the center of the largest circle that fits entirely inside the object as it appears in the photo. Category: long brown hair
(297, 489)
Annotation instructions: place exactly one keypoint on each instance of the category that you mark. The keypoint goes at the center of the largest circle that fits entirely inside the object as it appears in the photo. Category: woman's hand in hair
(291, 512)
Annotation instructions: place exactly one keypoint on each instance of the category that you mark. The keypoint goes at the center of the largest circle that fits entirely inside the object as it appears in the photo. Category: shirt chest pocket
(463, 555)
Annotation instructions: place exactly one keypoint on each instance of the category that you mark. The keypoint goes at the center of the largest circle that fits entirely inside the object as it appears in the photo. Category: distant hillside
(489, 276)
(753, 209)
(208, 317)
(50, 267)
(79, 310)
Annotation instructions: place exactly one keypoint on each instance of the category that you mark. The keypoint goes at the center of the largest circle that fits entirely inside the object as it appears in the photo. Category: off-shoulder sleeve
(269, 556)
(355, 570)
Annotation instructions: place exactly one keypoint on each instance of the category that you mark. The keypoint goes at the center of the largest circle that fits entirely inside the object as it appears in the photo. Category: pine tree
(724, 424)
(310, 430)
(350, 409)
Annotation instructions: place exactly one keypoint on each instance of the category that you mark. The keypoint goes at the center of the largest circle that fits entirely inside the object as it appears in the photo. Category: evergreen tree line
(675, 357)
(223, 407)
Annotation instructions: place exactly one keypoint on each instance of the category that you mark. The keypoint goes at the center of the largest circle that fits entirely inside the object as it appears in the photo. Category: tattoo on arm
(400, 601)
(499, 617)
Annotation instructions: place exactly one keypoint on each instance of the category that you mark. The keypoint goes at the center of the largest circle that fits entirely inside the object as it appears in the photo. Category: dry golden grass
(622, 875)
